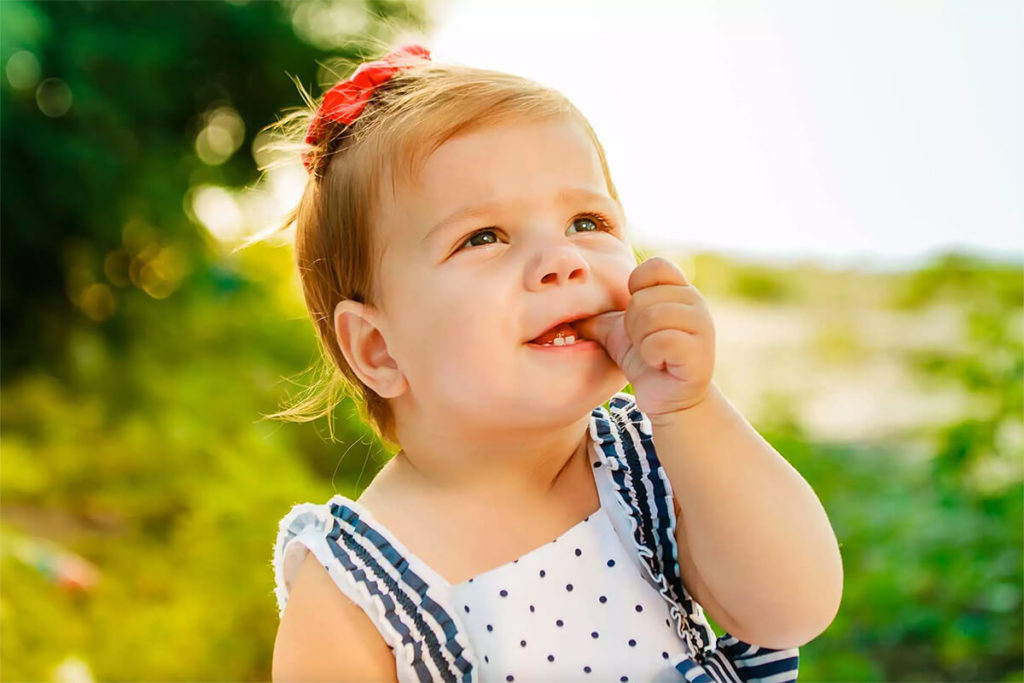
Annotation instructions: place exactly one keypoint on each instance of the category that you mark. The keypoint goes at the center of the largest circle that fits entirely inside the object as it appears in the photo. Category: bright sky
(855, 132)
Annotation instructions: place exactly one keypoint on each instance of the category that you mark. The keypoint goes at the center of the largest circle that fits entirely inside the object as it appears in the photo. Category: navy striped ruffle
(626, 440)
(423, 624)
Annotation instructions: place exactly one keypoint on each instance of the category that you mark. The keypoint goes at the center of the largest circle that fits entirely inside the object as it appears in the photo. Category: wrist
(695, 411)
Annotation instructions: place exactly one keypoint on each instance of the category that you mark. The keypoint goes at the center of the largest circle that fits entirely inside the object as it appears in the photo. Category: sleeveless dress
(604, 601)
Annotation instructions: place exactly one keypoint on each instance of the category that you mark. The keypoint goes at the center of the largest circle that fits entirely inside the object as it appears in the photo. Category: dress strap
(625, 439)
(404, 598)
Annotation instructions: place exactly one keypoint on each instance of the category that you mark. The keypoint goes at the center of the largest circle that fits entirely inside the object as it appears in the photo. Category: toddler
(465, 260)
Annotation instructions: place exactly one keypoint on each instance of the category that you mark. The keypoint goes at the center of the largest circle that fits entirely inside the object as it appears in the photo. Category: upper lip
(567, 319)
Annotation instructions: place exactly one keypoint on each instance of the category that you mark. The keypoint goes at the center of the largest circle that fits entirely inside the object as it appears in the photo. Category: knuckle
(652, 315)
(667, 341)
(648, 351)
(655, 266)
(648, 317)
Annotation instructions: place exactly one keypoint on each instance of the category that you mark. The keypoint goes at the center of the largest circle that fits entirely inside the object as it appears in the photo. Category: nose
(557, 265)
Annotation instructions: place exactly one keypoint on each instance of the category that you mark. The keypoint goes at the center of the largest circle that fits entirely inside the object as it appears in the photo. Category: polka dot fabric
(573, 609)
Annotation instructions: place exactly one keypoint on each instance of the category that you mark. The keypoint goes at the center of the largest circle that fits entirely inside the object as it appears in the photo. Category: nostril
(576, 274)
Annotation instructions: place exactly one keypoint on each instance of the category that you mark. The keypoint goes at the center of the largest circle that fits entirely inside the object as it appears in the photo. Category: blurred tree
(100, 153)
(137, 352)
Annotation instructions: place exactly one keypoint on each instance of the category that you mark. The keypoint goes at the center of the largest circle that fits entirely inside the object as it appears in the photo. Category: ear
(364, 347)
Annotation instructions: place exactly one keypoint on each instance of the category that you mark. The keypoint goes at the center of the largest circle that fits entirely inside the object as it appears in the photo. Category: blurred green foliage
(141, 492)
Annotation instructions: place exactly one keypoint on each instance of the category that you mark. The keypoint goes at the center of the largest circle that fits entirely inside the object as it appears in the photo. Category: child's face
(461, 302)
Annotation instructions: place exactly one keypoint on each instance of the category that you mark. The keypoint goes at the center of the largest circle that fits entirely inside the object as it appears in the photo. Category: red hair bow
(346, 100)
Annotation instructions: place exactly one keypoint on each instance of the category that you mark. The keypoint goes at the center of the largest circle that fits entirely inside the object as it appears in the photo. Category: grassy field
(141, 493)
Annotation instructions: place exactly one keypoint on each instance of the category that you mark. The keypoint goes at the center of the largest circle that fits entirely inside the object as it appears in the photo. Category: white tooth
(570, 339)
(559, 341)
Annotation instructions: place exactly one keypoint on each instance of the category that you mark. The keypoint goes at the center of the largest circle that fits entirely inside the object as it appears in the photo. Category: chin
(612, 387)
(594, 394)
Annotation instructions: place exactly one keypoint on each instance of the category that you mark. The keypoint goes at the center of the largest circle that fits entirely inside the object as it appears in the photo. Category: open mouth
(563, 334)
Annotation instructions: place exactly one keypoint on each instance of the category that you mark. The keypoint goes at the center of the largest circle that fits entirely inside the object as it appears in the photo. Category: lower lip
(585, 345)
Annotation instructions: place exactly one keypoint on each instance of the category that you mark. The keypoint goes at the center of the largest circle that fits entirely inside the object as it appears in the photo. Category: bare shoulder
(324, 636)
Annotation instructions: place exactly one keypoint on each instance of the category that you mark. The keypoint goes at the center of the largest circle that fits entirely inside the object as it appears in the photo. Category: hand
(664, 341)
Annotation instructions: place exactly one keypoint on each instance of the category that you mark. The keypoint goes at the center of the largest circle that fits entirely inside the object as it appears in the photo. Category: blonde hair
(407, 118)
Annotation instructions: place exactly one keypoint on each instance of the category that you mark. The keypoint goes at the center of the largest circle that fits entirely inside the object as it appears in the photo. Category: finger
(670, 315)
(599, 327)
(656, 271)
(683, 294)
(671, 347)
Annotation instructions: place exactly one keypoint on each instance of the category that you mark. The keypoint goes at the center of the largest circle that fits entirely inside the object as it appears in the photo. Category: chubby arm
(755, 546)
(324, 636)
(756, 549)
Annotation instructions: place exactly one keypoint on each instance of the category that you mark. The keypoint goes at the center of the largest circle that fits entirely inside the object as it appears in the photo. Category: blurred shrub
(933, 550)
(139, 355)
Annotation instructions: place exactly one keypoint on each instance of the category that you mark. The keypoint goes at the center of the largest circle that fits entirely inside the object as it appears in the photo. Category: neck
(518, 465)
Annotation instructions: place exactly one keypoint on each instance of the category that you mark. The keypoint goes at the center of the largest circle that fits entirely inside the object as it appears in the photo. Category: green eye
(470, 241)
(591, 224)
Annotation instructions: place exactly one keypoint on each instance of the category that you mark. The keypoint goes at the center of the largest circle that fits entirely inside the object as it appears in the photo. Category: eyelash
(603, 225)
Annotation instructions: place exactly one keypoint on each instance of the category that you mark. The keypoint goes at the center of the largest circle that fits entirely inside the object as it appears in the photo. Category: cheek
(463, 364)
(443, 330)
(617, 279)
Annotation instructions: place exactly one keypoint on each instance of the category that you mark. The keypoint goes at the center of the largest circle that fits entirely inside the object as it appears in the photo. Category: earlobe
(357, 331)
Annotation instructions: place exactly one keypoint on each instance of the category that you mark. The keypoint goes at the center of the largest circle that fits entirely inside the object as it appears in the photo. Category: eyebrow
(565, 196)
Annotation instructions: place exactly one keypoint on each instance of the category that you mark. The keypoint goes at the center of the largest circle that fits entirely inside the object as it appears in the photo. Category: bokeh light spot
(97, 301)
(162, 274)
(268, 150)
(23, 70)
(53, 96)
(217, 210)
(329, 25)
(221, 136)
(115, 267)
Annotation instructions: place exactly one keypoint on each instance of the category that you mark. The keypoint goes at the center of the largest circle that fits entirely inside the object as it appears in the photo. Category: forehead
(501, 163)
(508, 153)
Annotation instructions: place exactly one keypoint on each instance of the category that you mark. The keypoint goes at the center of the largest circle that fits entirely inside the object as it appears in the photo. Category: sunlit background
(870, 133)
(841, 180)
